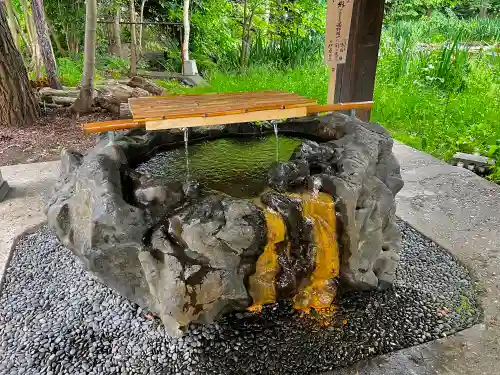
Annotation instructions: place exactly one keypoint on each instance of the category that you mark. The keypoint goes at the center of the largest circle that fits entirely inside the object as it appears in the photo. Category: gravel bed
(56, 319)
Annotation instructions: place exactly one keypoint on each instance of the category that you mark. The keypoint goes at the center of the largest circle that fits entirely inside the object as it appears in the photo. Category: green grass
(440, 28)
(308, 80)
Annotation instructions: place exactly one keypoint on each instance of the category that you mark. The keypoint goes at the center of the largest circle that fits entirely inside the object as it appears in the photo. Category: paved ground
(452, 206)
(22, 208)
(460, 211)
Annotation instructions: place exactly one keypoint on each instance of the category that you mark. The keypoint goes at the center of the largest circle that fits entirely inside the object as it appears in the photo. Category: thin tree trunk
(36, 56)
(22, 35)
(141, 20)
(55, 38)
(18, 103)
(483, 11)
(12, 22)
(244, 42)
(115, 41)
(133, 44)
(187, 29)
(84, 102)
(45, 44)
(71, 39)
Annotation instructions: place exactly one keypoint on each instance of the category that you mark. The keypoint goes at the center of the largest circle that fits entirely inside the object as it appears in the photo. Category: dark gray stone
(186, 254)
(357, 167)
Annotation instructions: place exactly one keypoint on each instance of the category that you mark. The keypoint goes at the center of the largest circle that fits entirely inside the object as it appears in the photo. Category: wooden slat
(213, 104)
(180, 121)
(227, 119)
(221, 110)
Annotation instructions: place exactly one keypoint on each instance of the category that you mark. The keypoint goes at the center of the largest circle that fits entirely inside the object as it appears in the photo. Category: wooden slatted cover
(216, 104)
(188, 122)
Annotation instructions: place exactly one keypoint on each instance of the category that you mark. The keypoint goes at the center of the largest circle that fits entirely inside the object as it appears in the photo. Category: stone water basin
(249, 225)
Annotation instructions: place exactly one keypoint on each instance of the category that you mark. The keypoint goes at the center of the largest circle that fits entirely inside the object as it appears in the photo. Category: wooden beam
(339, 107)
(356, 78)
(277, 114)
(106, 126)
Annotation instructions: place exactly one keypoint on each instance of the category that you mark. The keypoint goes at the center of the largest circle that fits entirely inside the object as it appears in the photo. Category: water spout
(186, 152)
(275, 126)
(316, 186)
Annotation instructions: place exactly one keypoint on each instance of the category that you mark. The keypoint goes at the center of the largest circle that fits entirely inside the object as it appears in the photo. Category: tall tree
(141, 20)
(115, 40)
(187, 29)
(11, 19)
(84, 102)
(36, 55)
(45, 44)
(133, 43)
(18, 103)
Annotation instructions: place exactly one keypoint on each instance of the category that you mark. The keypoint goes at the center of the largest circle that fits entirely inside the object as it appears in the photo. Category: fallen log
(144, 84)
(48, 92)
(62, 100)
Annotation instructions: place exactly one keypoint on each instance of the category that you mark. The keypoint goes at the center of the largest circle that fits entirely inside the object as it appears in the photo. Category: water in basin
(235, 166)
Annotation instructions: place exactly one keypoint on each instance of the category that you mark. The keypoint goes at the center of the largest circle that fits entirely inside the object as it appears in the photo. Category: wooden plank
(338, 23)
(278, 114)
(356, 79)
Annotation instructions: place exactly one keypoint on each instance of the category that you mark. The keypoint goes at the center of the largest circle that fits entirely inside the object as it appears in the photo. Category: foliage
(445, 100)
(292, 51)
(415, 9)
(439, 28)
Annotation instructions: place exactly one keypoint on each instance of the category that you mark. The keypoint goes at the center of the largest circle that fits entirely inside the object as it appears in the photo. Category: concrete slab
(459, 211)
(22, 207)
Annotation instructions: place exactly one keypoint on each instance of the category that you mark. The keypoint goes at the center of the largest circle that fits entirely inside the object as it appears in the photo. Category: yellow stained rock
(263, 283)
(319, 291)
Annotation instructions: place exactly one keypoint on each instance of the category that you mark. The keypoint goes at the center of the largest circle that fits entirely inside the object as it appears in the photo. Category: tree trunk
(115, 41)
(84, 102)
(18, 103)
(36, 55)
(244, 41)
(22, 35)
(45, 44)
(187, 29)
(12, 22)
(55, 38)
(483, 11)
(71, 39)
(141, 20)
(133, 42)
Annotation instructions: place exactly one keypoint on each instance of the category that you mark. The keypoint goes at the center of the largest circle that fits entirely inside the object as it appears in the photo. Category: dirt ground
(43, 141)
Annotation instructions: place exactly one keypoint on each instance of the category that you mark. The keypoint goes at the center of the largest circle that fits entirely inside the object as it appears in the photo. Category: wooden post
(356, 78)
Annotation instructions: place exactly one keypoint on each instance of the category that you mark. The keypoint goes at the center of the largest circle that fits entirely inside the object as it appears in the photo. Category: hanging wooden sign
(338, 25)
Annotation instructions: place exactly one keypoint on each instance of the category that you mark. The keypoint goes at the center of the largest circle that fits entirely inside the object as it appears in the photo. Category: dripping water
(275, 126)
(316, 186)
(186, 152)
